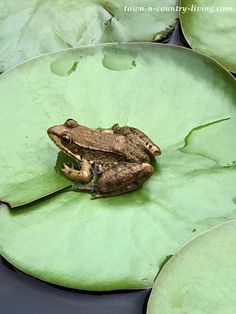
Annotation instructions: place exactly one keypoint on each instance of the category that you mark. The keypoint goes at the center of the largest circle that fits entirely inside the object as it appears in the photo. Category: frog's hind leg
(122, 178)
(146, 142)
(138, 137)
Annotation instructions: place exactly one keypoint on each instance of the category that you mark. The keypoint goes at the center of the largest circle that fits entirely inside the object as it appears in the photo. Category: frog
(108, 162)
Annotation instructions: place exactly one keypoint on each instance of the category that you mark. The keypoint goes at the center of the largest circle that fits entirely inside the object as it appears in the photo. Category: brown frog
(119, 158)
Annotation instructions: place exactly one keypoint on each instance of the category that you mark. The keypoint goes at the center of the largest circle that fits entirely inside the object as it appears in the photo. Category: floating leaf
(116, 242)
(210, 29)
(201, 277)
(32, 28)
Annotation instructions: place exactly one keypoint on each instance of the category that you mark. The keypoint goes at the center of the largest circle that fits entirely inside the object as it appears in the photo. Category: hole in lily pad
(118, 58)
(64, 66)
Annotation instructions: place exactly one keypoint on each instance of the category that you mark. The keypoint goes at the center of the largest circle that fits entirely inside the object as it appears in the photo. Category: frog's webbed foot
(116, 128)
(80, 187)
(89, 186)
(123, 130)
(83, 175)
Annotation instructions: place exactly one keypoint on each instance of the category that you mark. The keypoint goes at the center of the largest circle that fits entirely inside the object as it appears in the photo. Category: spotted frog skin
(119, 158)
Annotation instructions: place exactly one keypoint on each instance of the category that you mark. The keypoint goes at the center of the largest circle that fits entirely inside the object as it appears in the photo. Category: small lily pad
(210, 29)
(201, 277)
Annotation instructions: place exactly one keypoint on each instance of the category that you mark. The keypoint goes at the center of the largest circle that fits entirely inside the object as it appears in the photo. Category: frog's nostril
(49, 131)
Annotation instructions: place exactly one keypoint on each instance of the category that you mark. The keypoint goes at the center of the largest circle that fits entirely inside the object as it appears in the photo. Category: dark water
(177, 37)
(22, 294)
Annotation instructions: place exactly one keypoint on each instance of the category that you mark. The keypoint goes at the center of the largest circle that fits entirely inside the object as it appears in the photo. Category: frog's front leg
(83, 175)
(122, 178)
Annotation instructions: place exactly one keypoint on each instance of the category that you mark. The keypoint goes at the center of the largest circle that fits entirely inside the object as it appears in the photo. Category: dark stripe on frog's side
(98, 156)
(122, 150)
(112, 157)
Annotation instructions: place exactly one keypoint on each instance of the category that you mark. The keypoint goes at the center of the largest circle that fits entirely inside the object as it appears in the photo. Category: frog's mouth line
(54, 138)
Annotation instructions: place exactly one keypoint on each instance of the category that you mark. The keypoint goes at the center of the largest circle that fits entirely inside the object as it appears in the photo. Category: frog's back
(107, 145)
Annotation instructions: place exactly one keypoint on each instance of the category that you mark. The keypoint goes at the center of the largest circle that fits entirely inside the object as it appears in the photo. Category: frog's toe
(94, 196)
(65, 166)
(65, 169)
(80, 187)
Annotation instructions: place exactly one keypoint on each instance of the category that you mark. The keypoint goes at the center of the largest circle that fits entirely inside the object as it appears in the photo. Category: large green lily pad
(201, 277)
(31, 28)
(178, 97)
(210, 29)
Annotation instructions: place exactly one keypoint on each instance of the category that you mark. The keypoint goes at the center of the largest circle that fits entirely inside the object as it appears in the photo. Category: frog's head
(64, 136)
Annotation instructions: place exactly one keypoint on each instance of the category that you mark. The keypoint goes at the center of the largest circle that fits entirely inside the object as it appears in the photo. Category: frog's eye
(66, 139)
